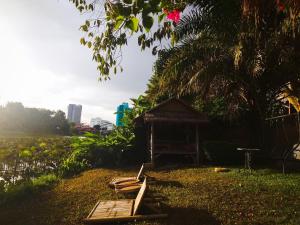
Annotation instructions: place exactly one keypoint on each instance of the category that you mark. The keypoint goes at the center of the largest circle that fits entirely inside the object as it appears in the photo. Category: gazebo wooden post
(152, 143)
(197, 145)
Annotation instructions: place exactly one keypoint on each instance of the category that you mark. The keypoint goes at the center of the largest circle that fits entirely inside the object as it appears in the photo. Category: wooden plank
(141, 172)
(122, 179)
(127, 184)
(90, 214)
(139, 197)
(112, 209)
(119, 180)
(128, 189)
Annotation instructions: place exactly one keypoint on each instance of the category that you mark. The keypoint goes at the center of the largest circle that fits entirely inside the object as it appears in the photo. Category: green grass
(28, 189)
(191, 196)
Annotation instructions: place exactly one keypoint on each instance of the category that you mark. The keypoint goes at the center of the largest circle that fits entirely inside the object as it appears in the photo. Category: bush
(221, 152)
(10, 192)
(44, 181)
(30, 157)
(74, 164)
(89, 152)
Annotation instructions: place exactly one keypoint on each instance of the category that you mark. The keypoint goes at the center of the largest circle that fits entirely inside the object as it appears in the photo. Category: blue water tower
(120, 113)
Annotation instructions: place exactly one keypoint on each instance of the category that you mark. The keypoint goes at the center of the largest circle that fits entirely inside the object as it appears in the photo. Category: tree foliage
(114, 21)
(221, 55)
(244, 51)
(24, 158)
(14, 117)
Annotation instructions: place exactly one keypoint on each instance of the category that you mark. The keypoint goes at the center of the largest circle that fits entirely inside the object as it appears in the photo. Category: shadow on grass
(176, 216)
(190, 216)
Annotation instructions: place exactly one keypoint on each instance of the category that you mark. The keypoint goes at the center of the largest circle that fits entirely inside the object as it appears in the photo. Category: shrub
(10, 192)
(44, 181)
(25, 158)
(221, 152)
(89, 152)
(74, 164)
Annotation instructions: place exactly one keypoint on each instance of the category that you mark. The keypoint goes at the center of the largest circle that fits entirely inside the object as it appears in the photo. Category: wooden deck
(112, 209)
(117, 210)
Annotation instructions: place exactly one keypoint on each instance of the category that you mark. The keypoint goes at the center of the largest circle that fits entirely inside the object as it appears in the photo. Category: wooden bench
(128, 180)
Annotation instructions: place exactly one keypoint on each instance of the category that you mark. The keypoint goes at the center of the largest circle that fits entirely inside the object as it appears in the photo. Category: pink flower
(174, 15)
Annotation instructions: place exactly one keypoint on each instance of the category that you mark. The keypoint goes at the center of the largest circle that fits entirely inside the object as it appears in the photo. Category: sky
(43, 65)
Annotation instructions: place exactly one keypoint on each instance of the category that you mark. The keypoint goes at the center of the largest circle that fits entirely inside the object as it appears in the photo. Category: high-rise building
(120, 113)
(74, 113)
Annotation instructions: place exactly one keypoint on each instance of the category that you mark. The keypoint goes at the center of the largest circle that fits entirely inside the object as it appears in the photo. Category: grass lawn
(191, 196)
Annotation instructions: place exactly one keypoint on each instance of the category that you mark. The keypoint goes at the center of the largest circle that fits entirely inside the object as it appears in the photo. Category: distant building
(104, 124)
(83, 128)
(74, 113)
(95, 121)
(120, 113)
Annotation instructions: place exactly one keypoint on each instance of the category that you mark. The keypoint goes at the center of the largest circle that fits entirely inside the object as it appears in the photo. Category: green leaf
(89, 44)
(82, 41)
(127, 1)
(173, 39)
(91, 7)
(125, 11)
(132, 24)
(135, 22)
(119, 22)
(154, 5)
(161, 17)
(141, 38)
(25, 153)
(84, 28)
(146, 10)
(147, 22)
(80, 8)
(154, 50)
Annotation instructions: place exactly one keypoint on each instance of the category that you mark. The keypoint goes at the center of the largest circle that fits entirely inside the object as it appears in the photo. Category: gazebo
(173, 128)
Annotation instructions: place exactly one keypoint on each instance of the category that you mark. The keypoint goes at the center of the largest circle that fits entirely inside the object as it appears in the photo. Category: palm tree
(203, 54)
(218, 54)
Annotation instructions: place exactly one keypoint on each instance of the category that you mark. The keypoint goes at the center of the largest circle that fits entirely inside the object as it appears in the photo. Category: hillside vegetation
(190, 196)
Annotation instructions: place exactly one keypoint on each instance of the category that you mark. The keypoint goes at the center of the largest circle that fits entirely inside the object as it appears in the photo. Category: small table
(248, 156)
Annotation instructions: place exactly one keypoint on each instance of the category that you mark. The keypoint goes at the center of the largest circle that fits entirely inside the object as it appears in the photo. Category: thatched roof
(173, 110)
